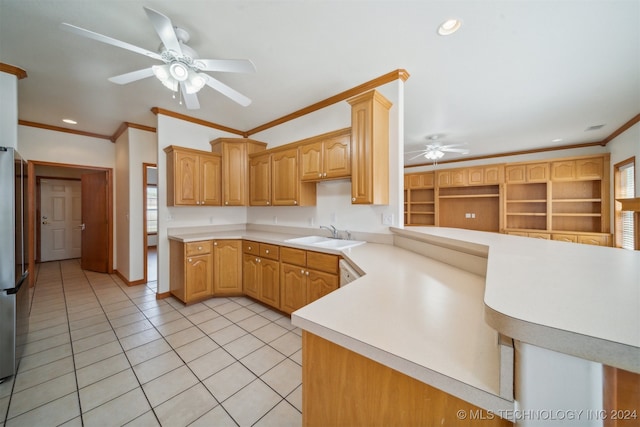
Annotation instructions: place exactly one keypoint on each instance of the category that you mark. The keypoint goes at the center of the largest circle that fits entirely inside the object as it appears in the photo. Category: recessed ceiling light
(449, 27)
(557, 140)
(70, 121)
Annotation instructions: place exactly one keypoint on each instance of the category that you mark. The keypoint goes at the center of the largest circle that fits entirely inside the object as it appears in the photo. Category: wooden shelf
(470, 196)
(527, 201)
(576, 200)
(595, 215)
(525, 214)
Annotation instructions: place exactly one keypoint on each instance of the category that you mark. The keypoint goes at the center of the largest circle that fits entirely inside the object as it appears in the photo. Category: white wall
(121, 198)
(142, 149)
(334, 197)
(171, 131)
(625, 146)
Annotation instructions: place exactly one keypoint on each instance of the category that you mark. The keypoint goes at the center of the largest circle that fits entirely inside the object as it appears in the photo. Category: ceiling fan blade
(455, 150)
(108, 40)
(228, 65)
(123, 79)
(226, 90)
(164, 28)
(190, 99)
(418, 155)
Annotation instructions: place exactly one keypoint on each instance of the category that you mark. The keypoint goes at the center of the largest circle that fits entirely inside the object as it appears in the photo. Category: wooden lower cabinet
(343, 388)
(261, 272)
(191, 270)
(306, 276)
(227, 272)
(598, 239)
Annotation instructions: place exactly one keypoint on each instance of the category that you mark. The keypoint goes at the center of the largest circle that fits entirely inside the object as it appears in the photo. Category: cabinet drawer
(269, 251)
(602, 240)
(322, 262)
(249, 247)
(197, 248)
(565, 237)
(545, 236)
(293, 256)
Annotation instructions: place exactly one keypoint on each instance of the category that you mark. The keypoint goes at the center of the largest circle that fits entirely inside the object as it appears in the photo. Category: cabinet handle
(259, 260)
(215, 243)
(353, 199)
(324, 174)
(301, 271)
(295, 202)
(319, 175)
(226, 203)
(266, 251)
(268, 203)
(199, 248)
(249, 247)
(306, 272)
(189, 260)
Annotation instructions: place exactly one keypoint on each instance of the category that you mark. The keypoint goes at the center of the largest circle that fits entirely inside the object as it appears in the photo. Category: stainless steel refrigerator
(14, 287)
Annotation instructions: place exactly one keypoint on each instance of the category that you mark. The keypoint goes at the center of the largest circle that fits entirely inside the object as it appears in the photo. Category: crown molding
(11, 69)
(169, 113)
(126, 125)
(61, 129)
(621, 129)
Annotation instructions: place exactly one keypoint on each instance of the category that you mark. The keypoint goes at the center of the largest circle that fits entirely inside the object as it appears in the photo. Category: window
(624, 175)
(152, 209)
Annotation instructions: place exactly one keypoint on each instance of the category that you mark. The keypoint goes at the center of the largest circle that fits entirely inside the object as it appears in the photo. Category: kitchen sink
(325, 242)
(338, 244)
(309, 240)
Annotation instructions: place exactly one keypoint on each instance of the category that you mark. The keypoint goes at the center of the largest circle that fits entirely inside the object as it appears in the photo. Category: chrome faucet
(332, 229)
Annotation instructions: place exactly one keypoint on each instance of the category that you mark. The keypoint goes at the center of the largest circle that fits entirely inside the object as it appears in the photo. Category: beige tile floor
(100, 353)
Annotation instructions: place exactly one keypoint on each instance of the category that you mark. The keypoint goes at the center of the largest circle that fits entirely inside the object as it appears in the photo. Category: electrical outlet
(311, 222)
(387, 219)
(333, 217)
(473, 215)
(467, 215)
(275, 219)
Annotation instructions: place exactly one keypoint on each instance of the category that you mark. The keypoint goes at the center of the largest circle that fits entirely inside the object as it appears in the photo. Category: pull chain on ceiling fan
(182, 71)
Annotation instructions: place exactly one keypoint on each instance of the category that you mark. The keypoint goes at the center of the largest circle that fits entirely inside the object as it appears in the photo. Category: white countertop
(438, 323)
(582, 300)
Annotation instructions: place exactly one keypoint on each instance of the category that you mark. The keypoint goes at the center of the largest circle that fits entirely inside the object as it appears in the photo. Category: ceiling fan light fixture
(179, 71)
(433, 155)
(195, 82)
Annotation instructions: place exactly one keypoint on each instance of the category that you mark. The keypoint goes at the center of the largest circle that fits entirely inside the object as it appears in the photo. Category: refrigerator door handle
(13, 291)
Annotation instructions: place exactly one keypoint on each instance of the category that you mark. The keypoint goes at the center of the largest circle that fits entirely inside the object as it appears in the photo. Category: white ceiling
(518, 74)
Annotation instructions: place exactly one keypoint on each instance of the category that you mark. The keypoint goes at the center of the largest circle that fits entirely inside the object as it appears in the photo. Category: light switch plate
(387, 219)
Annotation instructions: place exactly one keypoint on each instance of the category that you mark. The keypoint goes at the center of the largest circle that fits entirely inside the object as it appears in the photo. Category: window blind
(627, 190)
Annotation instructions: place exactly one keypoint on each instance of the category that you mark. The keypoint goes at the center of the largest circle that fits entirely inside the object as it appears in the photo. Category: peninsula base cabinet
(341, 387)
(227, 271)
(306, 276)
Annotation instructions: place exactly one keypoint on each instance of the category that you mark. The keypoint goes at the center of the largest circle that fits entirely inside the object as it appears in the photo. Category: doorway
(150, 220)
(60, 219)
(45, 172)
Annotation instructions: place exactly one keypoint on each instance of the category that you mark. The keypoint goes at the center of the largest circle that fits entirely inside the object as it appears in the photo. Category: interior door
(95, 234)
(60, 219)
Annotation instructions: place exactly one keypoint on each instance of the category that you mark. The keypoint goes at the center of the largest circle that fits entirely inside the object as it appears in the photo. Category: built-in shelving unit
(561, 199)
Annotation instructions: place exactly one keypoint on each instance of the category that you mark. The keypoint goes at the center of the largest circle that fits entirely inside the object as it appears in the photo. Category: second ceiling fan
(182, 71)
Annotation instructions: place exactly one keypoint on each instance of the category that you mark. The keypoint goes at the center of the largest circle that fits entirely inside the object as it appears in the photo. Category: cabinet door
(198, 277)
(234, 169)
(320, 284)
(210, 176)
(293, 288)
(186, 187)
(260, 181)
(337, 157)
(227, 261)
(537, 172)
(515, 174)
(602, 240)
(458, 178)
(476, 176)
(589, 168)
(284, 178)
(493, 174)
(563, 171)
(443, 178)
(270, 282)
(311, 161)
(251, 275)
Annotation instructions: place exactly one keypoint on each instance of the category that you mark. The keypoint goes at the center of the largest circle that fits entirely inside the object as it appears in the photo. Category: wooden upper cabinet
(494, 174)
(284, 177)
(235, 167)
(326, 156)
(522, 173)
(419, 180)
(370, 148)
(210, 174)
(260, 180)
(193, 177)
(563, 170)
(591, 168)
(452, 178)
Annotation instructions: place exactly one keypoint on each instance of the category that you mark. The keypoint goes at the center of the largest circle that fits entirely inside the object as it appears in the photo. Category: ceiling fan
(435, 150)
(182, 71)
